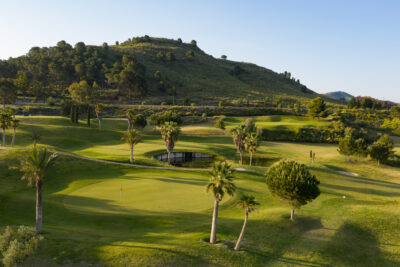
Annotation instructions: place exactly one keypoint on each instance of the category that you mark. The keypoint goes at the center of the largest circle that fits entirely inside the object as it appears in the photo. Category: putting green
(155, 193)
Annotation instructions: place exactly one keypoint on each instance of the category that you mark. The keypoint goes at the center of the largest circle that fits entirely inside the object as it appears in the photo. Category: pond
(188, 159)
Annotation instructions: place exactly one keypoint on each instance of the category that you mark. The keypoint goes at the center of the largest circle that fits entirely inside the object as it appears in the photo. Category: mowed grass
(279, 122)
(162, 215)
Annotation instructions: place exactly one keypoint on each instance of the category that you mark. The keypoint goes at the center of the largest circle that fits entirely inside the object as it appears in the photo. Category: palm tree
(129, 114)
(35, 137)
(219, 185)
(14, 125)
(5, 119)
(99, 109)
(170, 132)
(132, 137)
(252, 141)
(239, 135)
(249, 204)
(34, 167)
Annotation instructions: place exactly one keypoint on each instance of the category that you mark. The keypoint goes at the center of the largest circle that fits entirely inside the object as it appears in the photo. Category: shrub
(382, 149)
(190, 54)
(170, 56)
(16, 246)
(51, 101)
(162, 117)
(203, 117)
(157, 75)
(161, 56)
(139, 121)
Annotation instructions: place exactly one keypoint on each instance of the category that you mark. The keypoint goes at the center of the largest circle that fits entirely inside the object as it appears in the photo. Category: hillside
(207, 77)
(145, 68)
(339, 95)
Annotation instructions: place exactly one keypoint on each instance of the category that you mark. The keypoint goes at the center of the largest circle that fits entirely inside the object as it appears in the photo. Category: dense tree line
(369, 102)
(51, 70)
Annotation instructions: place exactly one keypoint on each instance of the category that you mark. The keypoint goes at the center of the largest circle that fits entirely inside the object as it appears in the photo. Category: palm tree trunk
(4, 137)
(99, 124)
(241, 158)
(13, 138)
(131, 159)
(239, 241)
(251, 158)
(292, 214)
(169, 157)
(213, 236)
(39, 206)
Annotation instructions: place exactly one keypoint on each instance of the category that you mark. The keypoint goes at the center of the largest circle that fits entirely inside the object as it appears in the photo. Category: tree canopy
(381, 149)
(317, 108)
(293, 183)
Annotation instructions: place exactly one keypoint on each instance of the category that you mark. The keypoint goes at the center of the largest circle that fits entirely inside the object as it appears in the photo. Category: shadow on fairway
(352, 241)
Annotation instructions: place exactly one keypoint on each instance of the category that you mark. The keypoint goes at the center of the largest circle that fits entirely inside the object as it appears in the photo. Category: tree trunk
(251, 158)
(13, 138)
(72, 114)
(239, 241)
(241, 158)
(292, 214)
(34, 144)
(88, 116)
(131, 159)
(39, 206)
(213, 236)
(169, 157)
(4, 137)
(76, 114)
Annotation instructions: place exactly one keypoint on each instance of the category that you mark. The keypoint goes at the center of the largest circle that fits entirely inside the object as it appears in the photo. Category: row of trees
(369, 102)
(246, 136)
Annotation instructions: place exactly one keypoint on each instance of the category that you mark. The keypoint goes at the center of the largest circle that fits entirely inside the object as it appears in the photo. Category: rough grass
(163, 214)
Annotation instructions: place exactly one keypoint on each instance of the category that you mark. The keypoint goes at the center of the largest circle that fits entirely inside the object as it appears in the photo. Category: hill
(146, 68)
(339, 95)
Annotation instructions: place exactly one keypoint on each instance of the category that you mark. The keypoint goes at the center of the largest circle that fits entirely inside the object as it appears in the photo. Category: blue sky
(350, 45)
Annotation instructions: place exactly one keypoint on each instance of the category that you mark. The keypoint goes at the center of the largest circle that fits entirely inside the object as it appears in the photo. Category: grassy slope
(207, 77)
(82, 224)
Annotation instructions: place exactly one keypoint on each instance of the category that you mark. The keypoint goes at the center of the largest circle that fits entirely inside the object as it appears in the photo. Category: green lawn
(162, 216)
(279, 122)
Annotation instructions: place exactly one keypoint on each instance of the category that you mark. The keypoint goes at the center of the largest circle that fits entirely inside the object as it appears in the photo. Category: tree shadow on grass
(364, 190)
(357, 179)
(355, 245)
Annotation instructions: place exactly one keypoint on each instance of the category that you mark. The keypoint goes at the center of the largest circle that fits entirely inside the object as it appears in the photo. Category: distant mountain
(339, 95)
